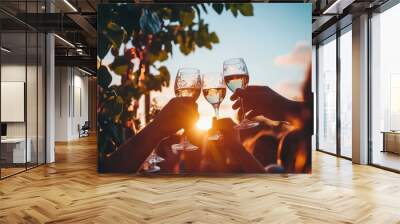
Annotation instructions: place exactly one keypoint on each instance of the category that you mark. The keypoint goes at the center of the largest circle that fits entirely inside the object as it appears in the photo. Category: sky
(275, 44)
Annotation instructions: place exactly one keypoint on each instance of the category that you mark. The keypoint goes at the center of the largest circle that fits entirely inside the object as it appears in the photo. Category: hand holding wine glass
(237, 77)
(264, 101)
(214, 91)
(188, 85)
(179, 112)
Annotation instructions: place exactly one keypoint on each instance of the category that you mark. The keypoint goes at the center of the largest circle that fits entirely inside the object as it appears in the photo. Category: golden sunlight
(204, 123)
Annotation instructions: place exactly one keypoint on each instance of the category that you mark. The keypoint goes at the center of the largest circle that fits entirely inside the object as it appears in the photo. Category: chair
(84, 130)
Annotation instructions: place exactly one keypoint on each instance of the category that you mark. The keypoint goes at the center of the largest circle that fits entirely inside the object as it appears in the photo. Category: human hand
(229, 134)
(230, 144)
(260, 100)
(180, 112)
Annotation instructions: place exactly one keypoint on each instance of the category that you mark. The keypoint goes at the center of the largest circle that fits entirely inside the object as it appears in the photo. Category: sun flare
(204, 123)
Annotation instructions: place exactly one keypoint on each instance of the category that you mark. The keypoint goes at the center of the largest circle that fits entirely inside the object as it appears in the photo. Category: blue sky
(274, 30)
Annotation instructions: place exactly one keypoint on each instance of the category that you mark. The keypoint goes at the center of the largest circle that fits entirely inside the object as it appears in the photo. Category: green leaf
(214, 38)
(168, 47)
(185, 50)
(149, 22)
(164, 75)
(130, 89)
(162, 56)
(234, 9)
(218, 7)
(246, 9)
(128, 17)
(103, 77)
(186, 18)
(103, 45)
(204, 8)
(155, 46)
(120, 65)
(208, 45)
(113, 107)
(115, 34)
(165, 13)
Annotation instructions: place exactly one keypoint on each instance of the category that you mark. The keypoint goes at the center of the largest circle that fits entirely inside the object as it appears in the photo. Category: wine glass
(152, 160)
(187, 84)
(214, 91)
(236, 76)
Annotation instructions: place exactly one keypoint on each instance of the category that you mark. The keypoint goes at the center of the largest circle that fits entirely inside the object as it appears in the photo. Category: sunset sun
(204, 123)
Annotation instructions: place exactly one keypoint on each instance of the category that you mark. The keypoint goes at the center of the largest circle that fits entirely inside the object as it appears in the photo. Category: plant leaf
(214, 38)
(149, 22)
(218, 7)
(186, 18)
(246, 9)
(103, 77)
(120, 65)
(115, 34)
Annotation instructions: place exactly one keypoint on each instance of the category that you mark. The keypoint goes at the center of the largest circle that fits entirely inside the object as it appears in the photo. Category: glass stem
(216, 109)
(243, 111)
(185, 140)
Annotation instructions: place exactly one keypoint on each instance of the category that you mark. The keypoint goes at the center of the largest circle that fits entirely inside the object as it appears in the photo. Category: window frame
(334, 37)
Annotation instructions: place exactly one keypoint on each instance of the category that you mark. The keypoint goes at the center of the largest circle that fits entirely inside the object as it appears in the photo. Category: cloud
(301, 55)
(291, 90)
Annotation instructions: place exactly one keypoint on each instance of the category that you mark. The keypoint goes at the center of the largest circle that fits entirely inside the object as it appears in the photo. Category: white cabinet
(15, 149)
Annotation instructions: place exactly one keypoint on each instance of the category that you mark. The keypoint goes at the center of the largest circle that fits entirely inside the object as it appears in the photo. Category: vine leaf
(149, 22)
(218, 7)
(120, 65)
(246, 9)
(103, 77)
(115, 34)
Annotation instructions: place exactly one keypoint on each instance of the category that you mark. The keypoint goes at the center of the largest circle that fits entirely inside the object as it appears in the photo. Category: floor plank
(71, 191)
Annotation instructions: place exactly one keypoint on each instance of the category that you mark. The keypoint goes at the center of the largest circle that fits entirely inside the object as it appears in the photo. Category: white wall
(61, 104)
(80, 110)
(71, 103)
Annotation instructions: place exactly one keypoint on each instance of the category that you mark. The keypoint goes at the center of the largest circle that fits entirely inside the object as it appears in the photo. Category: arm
(248, 163)
(178, 113)
(292, 109)
(232, 143)
(261, 100)
(130, 156)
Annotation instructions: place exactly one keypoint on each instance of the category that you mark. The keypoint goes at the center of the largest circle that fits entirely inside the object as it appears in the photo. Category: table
(13, 150)
(391, 141)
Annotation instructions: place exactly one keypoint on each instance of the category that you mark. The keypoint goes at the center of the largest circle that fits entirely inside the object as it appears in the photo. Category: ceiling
(75, 21)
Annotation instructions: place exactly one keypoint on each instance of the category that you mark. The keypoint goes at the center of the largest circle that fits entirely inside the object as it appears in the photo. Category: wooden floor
(5, 172)
(387, 159)
(71, 191)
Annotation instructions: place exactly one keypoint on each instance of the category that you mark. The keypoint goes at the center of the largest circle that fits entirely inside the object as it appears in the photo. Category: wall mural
(204, 88)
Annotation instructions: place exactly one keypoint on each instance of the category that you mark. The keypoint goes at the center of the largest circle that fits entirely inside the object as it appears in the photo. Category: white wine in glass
(187, 84)
(214, 90)
(236, 81)
(214, 95)
(188, 92)
(236, 76)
